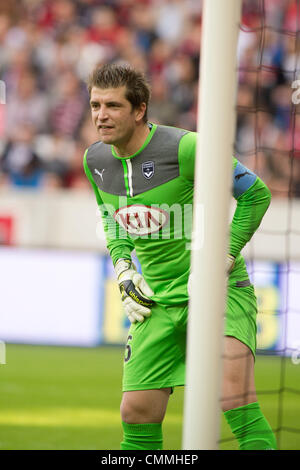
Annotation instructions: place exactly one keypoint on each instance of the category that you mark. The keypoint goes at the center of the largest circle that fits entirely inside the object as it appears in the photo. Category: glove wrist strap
(122, 265)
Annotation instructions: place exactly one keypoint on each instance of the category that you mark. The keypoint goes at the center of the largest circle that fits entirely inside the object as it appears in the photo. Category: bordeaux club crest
(148, 169)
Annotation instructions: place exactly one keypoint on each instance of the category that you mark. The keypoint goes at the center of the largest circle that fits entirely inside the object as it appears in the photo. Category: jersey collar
(153, 128)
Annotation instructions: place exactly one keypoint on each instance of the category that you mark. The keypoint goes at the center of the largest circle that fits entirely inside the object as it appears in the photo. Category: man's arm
(253, 199)
(135, 292)
(252, 195)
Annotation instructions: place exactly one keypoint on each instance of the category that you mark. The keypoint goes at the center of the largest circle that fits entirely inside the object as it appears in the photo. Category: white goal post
(216, 128)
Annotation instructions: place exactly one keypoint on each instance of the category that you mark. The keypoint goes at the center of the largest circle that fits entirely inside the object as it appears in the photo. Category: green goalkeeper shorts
(155, 349)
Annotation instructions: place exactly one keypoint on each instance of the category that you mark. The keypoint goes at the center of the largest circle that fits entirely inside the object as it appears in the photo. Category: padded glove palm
(135, 292)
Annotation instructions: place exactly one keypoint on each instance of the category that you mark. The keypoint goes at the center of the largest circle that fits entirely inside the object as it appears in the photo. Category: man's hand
(230, 261)
(135, 292)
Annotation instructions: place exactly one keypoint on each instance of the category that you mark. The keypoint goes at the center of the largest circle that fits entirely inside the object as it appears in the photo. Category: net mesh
(268, 142)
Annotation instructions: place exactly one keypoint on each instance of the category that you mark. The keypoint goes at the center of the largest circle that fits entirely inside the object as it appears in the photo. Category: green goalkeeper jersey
(146, 202)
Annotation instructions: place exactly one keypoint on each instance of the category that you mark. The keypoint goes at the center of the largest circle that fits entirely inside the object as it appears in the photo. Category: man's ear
(140, 112)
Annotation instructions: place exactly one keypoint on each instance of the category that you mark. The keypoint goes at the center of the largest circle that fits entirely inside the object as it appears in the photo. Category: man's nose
(102, 113)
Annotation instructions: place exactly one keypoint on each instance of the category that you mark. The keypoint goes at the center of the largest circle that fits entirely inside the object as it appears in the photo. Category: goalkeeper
(143, 178)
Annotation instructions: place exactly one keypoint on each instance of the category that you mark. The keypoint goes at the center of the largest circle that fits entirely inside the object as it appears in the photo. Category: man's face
(112, 115)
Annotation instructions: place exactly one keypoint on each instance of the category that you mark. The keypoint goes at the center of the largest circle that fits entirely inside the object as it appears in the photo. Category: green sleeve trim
(91, 179)
(126, 177)
(86, 168)
(187, 155)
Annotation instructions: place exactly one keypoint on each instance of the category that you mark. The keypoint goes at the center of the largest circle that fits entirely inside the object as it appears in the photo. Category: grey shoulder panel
(158, 162)
(155, 165)
(106, 170)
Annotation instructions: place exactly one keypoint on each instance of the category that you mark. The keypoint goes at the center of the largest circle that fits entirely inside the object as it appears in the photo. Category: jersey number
(128, 349)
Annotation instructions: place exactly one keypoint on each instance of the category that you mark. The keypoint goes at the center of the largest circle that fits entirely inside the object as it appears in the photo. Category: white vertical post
(2, 352)
(216, 126)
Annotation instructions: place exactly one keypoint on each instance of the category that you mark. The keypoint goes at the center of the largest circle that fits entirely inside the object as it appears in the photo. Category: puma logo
(100, 173)
(237, 177)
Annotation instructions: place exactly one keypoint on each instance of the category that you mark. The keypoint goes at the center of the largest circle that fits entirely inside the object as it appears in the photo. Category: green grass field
(68, 398)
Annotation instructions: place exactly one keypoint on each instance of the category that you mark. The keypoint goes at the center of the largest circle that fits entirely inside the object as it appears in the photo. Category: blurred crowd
(48, 48)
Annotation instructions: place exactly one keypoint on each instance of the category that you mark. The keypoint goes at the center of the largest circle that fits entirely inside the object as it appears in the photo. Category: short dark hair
(115, 76)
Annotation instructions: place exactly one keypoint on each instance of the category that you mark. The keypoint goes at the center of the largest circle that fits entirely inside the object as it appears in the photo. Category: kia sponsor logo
(138, 219)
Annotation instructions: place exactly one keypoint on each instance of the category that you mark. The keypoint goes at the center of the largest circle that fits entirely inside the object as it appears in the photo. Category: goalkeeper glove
(135, 291)
(230, 261)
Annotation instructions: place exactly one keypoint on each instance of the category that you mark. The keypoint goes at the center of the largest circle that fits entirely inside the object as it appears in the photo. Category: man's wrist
(230, 263)
(122, 265)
